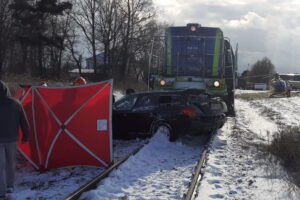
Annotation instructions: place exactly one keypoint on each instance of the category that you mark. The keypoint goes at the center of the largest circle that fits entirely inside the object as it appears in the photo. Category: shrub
(285, 146)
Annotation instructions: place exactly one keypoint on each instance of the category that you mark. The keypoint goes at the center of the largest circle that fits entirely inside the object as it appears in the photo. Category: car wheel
(166, 130)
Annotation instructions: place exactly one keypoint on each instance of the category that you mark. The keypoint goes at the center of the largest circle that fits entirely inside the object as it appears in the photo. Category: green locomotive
(197, 57)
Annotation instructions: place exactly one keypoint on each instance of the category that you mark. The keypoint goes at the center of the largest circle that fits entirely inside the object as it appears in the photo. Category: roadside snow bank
(160, 170)
(238, 91)
(235, 169)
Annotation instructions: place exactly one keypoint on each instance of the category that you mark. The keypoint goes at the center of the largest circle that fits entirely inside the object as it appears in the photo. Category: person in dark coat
(12, 117)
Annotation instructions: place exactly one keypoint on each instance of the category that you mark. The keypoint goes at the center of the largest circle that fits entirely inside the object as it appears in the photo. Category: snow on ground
(235, 168)
(161, 170)
(284, 111)
(250, 91)
(58, 183)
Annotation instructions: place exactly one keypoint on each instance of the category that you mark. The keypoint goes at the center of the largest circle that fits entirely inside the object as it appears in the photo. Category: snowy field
(235, 168)
(237, 92)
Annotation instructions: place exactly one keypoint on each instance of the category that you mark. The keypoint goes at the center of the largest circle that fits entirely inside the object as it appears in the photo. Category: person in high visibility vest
(79, 81)
(279, 86)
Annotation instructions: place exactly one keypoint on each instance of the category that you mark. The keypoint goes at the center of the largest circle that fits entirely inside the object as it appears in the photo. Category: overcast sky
(260, 27)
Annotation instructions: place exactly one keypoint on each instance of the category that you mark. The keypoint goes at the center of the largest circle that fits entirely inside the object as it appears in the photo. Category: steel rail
(196, 176)
(92, 183)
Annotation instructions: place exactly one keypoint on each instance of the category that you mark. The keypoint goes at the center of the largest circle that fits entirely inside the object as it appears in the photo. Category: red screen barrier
(68, 125)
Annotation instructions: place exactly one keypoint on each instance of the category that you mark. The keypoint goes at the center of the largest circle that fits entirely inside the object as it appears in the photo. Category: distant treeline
(261, 72)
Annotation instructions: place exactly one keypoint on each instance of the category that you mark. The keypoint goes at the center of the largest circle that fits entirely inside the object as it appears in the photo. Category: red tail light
(190, 112)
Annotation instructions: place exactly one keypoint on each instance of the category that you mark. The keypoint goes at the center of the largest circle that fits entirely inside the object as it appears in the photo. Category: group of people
(12, 117)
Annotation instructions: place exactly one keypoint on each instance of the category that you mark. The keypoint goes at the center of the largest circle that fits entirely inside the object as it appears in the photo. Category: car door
(121, 114)
(143, 113)
(170, 106)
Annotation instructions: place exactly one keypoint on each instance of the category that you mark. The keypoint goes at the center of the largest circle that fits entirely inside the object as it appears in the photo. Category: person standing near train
(12, 117)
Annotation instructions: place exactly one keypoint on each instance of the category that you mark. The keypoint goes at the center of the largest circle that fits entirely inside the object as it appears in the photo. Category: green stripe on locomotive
(215, 71)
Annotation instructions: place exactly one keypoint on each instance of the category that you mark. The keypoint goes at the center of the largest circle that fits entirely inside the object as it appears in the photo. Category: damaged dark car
(175, 112)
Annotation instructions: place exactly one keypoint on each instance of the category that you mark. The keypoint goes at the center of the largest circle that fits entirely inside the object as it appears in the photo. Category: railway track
(198, 174)
(190, 194)
(196, 177)
(92, 183)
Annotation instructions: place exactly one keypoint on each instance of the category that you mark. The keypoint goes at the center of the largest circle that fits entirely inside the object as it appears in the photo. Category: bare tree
(59, 28)
(148, 47)
(136, 13)
(5, 26)
(73, 48)
(262, 71)
(108, 29)
(85, 17)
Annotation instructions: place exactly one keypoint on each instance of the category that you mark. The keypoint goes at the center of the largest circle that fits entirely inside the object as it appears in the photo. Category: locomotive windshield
(198, 54)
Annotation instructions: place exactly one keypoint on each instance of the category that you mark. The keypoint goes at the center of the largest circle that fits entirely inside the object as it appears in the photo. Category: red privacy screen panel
(68, 126)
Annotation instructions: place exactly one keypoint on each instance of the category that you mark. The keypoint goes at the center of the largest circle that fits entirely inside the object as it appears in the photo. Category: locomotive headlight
(162, 82)
(217, 84)
(193, 28)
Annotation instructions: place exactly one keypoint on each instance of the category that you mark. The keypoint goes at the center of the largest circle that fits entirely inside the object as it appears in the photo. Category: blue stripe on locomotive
(192, 55)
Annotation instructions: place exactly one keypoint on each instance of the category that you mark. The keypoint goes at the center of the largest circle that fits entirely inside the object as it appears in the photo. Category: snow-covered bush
(285, 146)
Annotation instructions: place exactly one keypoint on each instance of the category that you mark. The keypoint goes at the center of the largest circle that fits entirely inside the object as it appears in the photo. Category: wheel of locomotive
(165, 129)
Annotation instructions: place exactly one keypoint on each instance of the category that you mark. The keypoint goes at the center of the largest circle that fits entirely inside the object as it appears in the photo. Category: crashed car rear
(175, 112)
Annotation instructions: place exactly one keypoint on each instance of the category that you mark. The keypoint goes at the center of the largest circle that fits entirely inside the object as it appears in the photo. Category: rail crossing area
(150, 167)
(159, 169)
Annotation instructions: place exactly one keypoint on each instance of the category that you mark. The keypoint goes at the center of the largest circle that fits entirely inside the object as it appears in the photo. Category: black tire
(166, 129)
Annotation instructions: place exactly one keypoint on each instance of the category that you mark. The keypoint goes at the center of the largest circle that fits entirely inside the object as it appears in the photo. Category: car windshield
(126, 103)
(145, 101)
